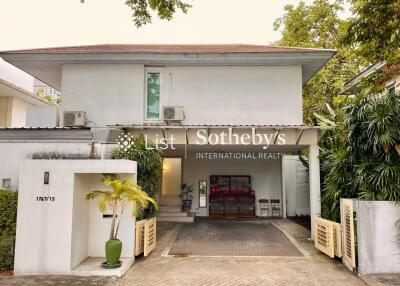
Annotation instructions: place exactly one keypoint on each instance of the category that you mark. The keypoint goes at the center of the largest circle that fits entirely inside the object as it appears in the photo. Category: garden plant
(120, 194)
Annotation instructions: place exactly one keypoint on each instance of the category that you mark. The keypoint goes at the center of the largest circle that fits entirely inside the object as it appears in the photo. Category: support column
(283, 185)
(315, 186)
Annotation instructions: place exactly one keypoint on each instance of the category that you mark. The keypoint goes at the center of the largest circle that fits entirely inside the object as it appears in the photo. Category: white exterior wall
(115, 94)
(18, 112)
(378, 237)
(12, 112)
(296, 186)
(265, 177)
(109, 93)
(3, 111)
(238, 95)
(11, 154)
(49, 234)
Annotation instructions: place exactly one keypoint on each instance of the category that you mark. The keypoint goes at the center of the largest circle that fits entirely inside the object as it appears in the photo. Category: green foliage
(374, 32)
(8, 218)
(314, 26)
(149, 164)
(6, 253)
(318, 26)
(165, 9)
(121, 193)
(360, 158)
(8, 212)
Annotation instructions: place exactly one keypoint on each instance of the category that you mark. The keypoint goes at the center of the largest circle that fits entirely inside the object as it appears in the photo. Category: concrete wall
(172, 176)
(99, 226)
(265, 177)
(18, 112)
(114, 93)
(11, 155)
(378, 238)
(51, 236)
(296, 187)
(3, 111)
(80, 218)
(12, 112)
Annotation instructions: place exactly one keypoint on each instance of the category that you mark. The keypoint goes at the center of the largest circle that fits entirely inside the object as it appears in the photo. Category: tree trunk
(113, 220)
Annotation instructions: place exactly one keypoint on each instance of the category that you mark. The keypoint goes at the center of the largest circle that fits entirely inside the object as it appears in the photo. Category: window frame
(149, 70)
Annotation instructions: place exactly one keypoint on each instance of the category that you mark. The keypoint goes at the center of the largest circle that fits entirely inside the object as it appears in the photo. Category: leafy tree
(314, 26)
(319, 26)
(374, 32)
(165, 9)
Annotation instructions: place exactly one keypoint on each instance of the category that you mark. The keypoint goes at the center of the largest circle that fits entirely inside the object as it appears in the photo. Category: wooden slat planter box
(139, 237)
(328, 237)
(145, 236)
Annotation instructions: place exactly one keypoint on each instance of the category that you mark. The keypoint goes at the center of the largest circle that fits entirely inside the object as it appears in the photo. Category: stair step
(184, 219)
(165, 214)
(170, 208)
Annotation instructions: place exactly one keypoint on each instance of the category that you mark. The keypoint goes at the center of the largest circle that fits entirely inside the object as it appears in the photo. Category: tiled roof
(167, 49)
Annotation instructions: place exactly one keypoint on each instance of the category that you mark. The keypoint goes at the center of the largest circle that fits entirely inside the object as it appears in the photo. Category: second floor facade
(212, 84)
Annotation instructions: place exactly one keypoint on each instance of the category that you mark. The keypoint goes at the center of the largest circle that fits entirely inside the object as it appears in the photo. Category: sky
(51, 23)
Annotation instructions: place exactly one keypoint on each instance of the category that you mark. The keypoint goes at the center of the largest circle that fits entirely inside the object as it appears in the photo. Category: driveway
(286, 257)
(230, 238)
(310, 268)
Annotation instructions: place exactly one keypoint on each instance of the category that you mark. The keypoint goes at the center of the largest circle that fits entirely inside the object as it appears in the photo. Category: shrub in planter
(8, 217)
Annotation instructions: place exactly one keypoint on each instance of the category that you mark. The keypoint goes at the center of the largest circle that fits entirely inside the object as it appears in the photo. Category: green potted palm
(120, 194)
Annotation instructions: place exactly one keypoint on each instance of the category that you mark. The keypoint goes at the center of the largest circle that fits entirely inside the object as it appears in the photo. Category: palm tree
(121, 193)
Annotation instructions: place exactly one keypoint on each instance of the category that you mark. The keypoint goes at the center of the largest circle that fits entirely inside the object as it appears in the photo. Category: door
(171, 181)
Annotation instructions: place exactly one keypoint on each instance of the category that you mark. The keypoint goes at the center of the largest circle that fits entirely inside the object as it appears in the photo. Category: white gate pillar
(315, 186)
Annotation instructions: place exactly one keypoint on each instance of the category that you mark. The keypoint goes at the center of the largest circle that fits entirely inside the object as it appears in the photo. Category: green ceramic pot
(113, 251)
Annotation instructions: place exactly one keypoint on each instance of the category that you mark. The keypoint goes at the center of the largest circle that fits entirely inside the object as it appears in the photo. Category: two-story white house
(232, 115)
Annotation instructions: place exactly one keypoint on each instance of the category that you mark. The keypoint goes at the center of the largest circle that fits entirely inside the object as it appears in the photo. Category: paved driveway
(312, 270)
(230, 238)
(160, 269)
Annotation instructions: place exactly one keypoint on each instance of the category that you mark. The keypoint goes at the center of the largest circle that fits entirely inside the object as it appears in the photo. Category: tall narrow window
(153, 95)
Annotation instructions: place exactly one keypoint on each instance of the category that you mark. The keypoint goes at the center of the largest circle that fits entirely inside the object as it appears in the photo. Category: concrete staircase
(175, 213)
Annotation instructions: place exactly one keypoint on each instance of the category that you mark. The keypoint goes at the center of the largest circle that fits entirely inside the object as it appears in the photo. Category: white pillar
(315, 186)
(283, 184)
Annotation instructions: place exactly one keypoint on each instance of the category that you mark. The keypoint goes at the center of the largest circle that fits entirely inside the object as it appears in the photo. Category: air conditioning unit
(173, 113)
(74, 118)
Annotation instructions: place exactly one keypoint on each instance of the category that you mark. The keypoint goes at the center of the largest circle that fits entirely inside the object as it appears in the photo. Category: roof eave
(311, 61)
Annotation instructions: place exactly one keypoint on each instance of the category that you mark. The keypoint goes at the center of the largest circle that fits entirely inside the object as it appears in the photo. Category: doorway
(171, 181)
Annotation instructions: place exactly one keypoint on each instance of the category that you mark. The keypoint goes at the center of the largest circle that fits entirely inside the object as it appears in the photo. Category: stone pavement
(58, 281)
(232, 238)
(158, 269)
(390, 279)
(312, 270)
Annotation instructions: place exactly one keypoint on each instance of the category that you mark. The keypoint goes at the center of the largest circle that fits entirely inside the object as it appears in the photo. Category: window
(153, 95)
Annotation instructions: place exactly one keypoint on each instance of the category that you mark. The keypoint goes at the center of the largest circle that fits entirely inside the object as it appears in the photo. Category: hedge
(8, 217)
